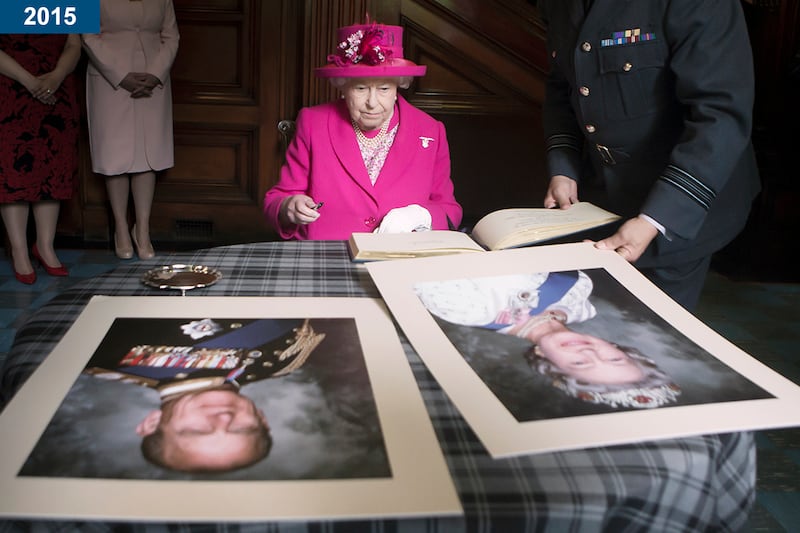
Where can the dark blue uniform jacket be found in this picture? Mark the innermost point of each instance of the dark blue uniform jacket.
(659, 93)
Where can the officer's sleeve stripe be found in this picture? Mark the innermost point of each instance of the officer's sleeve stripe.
(691, 186)
(563, 140)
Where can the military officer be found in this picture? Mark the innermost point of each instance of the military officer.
(659, 96)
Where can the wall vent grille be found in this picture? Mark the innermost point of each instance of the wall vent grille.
(194, 230)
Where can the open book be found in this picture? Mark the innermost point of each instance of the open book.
(505, 228)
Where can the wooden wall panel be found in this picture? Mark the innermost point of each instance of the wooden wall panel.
(485, 82)
(219, 43)
(216, 165)
(323, 18)
(209, 65)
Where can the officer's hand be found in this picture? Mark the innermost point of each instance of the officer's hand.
(298, 209)
(630, 240)
(562, 192)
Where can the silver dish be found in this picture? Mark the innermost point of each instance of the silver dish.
(181, 277)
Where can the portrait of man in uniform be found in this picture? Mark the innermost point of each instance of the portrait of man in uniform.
(212, 396)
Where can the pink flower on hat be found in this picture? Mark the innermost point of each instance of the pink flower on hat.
(369, 50)
(361, 46)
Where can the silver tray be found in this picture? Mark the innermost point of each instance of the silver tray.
(181, 277)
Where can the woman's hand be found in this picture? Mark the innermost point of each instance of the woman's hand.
(298, 209)
(39, 88)
(36, 86)
(139, 84)
(148, 83)
(46, 86)
(40, 91)
(130, 82)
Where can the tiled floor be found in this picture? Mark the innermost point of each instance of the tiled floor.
(761, 318)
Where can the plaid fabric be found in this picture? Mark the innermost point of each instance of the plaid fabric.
(704, 483)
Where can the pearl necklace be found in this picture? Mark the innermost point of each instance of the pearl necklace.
(374, 142)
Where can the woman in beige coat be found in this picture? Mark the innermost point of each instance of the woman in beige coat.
(129, 108)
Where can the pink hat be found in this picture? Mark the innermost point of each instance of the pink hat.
(369, 51)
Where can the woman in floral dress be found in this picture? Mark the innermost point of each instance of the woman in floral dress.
(38, 143)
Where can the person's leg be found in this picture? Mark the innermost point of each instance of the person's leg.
(683, 283)
(45, 215)
(143, 187)
(15, 218)
(118, 188)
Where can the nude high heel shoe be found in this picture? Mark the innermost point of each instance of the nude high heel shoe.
(122, 253)
(143, 253)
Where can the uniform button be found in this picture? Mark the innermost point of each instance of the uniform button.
(584, 90)
(586, 47)
(590, 128)
(553, 54)
(627, 67)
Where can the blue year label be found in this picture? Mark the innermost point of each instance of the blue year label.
(49, 16)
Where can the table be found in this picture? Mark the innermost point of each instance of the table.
(692, 484)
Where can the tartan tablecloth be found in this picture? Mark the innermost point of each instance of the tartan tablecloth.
(704, 483)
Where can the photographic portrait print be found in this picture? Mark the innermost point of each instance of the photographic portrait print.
(286, 408)
(566, 346)
(639, 360)
(294, 393)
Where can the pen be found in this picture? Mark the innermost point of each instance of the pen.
(318, 206)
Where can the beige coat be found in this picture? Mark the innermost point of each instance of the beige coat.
(130, 134)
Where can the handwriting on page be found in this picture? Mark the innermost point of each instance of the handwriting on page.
(545, 218)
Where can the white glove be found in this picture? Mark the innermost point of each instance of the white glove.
(405, 219)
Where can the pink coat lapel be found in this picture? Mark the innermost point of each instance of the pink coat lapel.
(346, 148)
(397, 162)
(401, 154)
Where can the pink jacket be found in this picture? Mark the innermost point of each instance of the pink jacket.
(324, 162)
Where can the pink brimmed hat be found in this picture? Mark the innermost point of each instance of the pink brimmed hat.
(369, 51)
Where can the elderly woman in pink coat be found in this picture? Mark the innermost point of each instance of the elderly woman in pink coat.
(370, 161)
(129, 107)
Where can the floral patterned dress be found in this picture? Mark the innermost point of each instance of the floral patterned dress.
(38, 142)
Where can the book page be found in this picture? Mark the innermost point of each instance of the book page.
(378, 246)
(514, 227)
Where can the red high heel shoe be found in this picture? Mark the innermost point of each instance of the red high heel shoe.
(60, 270)
(27, 279)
